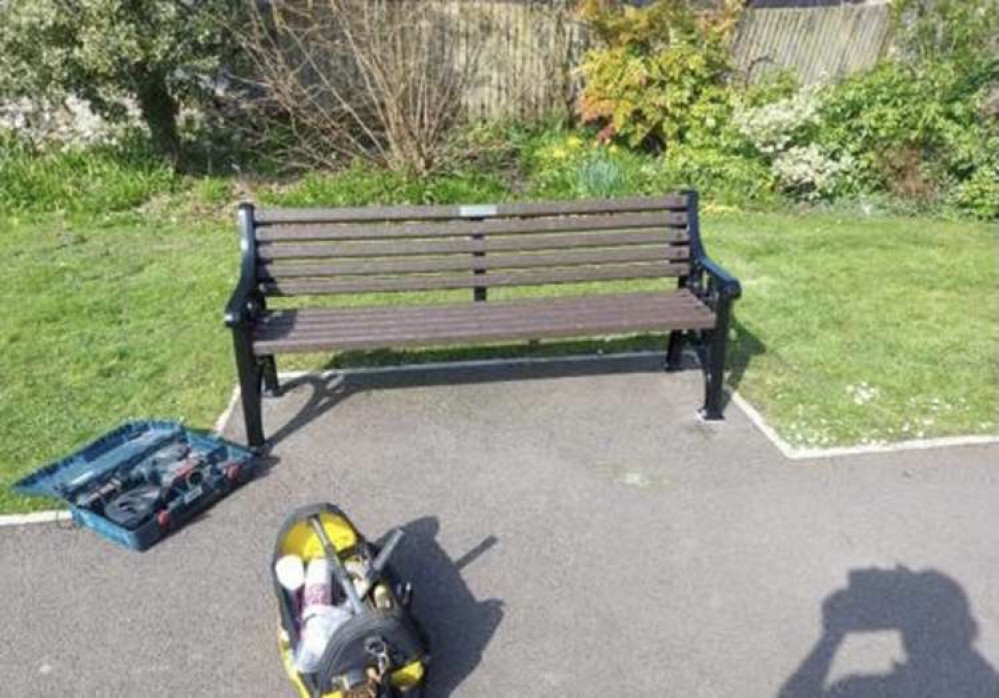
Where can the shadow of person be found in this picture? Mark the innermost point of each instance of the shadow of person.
(930, 611)
(458, 625)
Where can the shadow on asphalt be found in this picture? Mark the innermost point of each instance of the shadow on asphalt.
(562, 360)
(330, 389)
(458, 625)
(746, 347)
(932, 614)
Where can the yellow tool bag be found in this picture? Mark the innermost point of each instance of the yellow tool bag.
(345, 627)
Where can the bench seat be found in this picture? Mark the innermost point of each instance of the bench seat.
(315, 329)
(579, 257)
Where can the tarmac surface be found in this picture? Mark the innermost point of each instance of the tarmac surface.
(573, 530)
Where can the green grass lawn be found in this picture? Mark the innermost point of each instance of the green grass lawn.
(857, 331)
(850, 330)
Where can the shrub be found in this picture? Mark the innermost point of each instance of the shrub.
(774, 127)
(161, 55)
(914, 125)
(723, 176)
(783, 133)
(378, 80)
(660, 72)
(912, 130)
(808, 172)
(979, 194)
(962, 32)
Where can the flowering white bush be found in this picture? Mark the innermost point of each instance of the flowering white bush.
(772, 128)
(808, 172)
(69, 123)
(782, 132)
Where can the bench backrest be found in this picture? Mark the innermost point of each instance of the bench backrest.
(420, 248)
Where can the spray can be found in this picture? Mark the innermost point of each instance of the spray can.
(318, 586)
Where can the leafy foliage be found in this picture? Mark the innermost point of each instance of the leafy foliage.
(721, 176)
(963, 32)
(783, 134)
(159, 53)
(915, 124)
(660, 72)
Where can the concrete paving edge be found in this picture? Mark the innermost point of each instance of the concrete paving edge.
(792, 453)
(35, 517)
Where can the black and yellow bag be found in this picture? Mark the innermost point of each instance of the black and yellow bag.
(380, 652)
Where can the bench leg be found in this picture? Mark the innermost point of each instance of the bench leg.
(715, 369)
(674, 352)
(249, 373)
(272, 387)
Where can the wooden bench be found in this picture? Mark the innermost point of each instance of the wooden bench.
(305, 252)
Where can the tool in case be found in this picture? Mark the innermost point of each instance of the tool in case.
(143, 479)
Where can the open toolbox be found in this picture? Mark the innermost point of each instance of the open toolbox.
(143, 479)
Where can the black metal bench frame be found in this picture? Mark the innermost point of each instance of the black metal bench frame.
(437, 239)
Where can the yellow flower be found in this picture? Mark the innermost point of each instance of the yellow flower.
(710, 207)
(558, 153)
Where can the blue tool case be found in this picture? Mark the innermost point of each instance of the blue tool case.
(142, 480)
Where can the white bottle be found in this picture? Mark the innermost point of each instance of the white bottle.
(318, 586)
(320, 618)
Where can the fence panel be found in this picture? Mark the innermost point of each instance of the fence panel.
(527, 53)
(820, 42)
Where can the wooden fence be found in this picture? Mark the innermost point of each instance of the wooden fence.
(529, 49)
(819, 42)
(527, 53)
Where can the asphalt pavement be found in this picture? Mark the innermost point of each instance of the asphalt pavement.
(573, 530)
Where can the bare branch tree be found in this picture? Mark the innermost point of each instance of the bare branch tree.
(337, 80)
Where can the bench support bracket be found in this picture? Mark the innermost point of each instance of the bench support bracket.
(250, 374)
(714, 396)
(272, 387)
(674, 351)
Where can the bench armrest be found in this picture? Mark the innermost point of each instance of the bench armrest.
(728, 286)
(243, 303)
(721, 286)
(239, 309)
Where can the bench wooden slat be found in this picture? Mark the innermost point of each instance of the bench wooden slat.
(429, 247)
(522, 226)
(665, 316)
(322, 320)
(424, 283)
(426, 213)
(469, 263)
(663, 321)
(478, 324)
